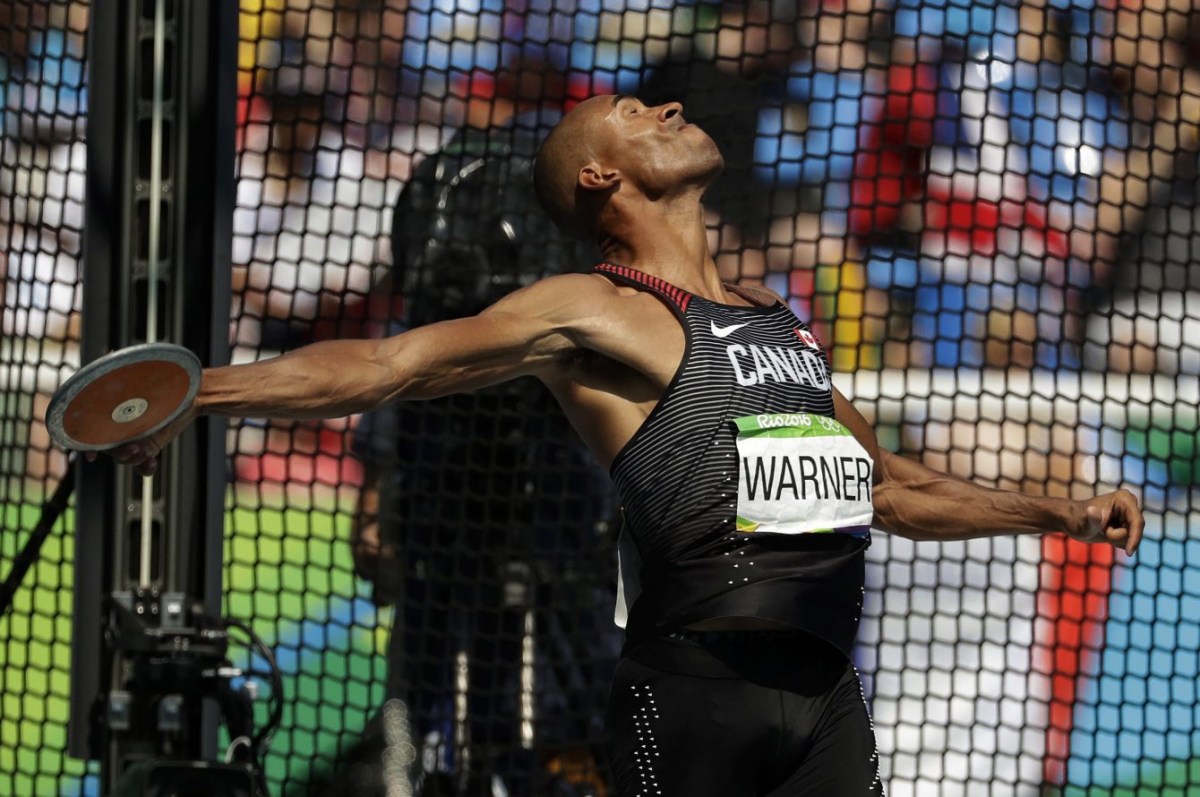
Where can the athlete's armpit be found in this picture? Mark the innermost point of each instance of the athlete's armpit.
(853, 420)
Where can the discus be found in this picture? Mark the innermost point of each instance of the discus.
(123, 397)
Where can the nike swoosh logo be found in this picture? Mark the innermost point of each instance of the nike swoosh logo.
(724, 332)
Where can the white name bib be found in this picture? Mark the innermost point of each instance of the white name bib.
(801, 474)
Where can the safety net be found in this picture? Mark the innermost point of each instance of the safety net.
(42, 155)
(984, 211)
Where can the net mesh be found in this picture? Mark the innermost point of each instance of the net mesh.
(986, 210)
(42, 128)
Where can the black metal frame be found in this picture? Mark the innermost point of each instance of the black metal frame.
(196, 188)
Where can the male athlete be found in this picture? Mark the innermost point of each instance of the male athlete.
(749, 484)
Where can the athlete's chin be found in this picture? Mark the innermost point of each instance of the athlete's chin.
(709, 151)
(710, 168)
(710, 157)
(701, 166)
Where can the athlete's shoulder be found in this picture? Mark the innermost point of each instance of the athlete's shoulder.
(560, 293)
(590, 285)
(571, 303)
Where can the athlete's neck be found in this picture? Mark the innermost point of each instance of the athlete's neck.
(668, 241)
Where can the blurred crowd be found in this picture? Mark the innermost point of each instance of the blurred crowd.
(923, 179)
(933, 183)
(42, 160)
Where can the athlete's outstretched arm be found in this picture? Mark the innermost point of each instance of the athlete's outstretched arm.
(523, 334)
(922, 504)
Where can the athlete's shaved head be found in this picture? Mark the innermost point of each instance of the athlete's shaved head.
(615, 145)
(556, 171)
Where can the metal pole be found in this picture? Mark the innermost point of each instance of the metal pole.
(162, 83)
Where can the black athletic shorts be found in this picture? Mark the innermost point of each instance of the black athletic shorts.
(739, 714)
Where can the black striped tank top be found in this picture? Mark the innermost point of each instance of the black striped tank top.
(728, 481)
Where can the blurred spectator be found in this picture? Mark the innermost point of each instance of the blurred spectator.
(42, 93)
(339, 100)
(325, 140)
(1147, 212)
(724, 80)
(483, 517)
(43, 101)
(325, 143)
(780, 87)
(976, 167)
(805, 155)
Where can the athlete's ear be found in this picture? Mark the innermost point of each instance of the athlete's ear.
(594, 177)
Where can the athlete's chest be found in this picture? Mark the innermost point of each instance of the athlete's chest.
(646, 349)
(753, 349)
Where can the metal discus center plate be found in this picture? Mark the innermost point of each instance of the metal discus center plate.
(130, 410)
(123, 397)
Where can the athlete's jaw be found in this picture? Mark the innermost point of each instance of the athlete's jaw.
(657, 146)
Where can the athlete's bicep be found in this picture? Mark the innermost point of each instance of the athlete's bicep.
(525, 334)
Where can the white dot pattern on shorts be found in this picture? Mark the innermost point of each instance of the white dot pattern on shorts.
(645, 747)
(871, 723)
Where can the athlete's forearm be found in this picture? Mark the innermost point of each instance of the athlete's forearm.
(342, 377)
(922, 504)
(330, 379)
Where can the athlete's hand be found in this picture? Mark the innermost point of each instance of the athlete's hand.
(143, 454)
(1114, 518)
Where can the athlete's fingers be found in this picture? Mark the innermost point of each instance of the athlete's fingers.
(1135, 521)
(130, 454)
(1117, 519)
(143, 456)
(1117, 535)
(1116, 526)
(1137, 528)
(1097, 520)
